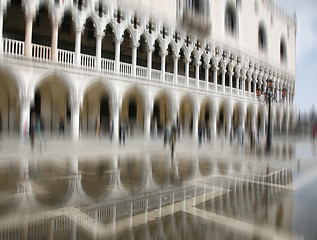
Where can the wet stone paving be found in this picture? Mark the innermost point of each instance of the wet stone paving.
(151, 195)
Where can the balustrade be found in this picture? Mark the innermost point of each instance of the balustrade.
(41, 52)
(107, 65)
(125, 68)
(66, 57)
(13, 47)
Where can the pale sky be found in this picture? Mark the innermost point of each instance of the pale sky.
(306, 51)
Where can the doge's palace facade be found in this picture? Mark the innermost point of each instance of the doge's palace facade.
(192, 62)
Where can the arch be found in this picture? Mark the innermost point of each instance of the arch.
(231, 19)
(185, 114)
(156, 57)
(250, 118)
(11, 27)
(207, 116)
(142, 51)
(108, 44)
(262, 37)
(97, 108)
(133, 109)
(223, 118)
(88, 39)
(126, 47)
(67, 34)
(42, 27)
(238, 116)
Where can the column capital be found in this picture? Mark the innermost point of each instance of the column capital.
(118, 40)
(177, 56)
(150, 48)
(135, 45)
(99, 34)
(206, 66)
(187, 60)
(163, 53)
(79, 29)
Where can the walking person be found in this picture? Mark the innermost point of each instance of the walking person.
(172, 140)
(32, 130)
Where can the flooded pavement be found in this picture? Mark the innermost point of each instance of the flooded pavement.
(149, 195)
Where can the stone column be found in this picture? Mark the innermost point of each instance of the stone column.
(117, 53)
(249, 84)
(214, 77)
(24, 118)
(195, 123)
(75, 104)
(207, 66)
(176, 57)
(243, 85)
(223, 79)
(230, 81)
(134, 58)
(187, 61)
(238, 83)
(254, 87)
(54, 41)
(213, 126)
(197, 64)
(147, 122)
(28, 35)
(163, 56)
(78, 46)
(99, 37)
(149, 61)
(115, 116)
(1, 30)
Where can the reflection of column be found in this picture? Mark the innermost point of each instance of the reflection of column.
(78, 45)
(28, 34)
(175, 68)
(50, 231)
(74, 227)
(54, 41)
(134, 57)
(149, 61)
(75, 119)
(117, 53)
(163, 56)
(24, 119)
(74, 164)
(98, 49)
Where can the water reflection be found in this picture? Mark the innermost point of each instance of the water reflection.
(148, 196)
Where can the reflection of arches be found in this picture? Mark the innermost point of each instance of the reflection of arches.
(96, 177)
(160, 171)
(132, 175)
(231, 19)
(206, 166)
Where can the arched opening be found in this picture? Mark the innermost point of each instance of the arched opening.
(219, 73)
(202, 69)
(12, 28)
(237, 117)
(223, 119)
(156, 57)
(227, 79)
(192, 66)
(262, 39)
(283, 51)
(66, 35)
(249, 120)
(186, 116)
(42, 29)
(125, 49)
(88, 42)
(181, 63)
(142, 53)
(132, 113)
(108, 46)
(51, 106)
(205, 120)
(9, 105)
(96, 112)
(169, 60)
(231, 20)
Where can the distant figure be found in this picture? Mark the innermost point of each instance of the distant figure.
(62, 127)
(110, 130)
(172, 140)
(122, 133)
(32, 130)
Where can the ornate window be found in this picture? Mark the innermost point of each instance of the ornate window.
(231, 20)
(262, 41)
(283, 51)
